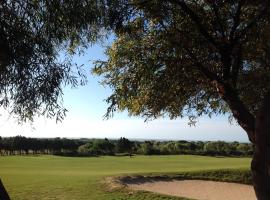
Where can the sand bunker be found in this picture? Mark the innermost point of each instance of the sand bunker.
(197, 189)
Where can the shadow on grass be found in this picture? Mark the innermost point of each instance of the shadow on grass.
(3, 193)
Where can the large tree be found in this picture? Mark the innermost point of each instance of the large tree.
(37, 41)
(189, 58)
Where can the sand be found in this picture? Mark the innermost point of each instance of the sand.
(197, 189)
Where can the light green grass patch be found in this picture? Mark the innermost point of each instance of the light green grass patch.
(65, 178)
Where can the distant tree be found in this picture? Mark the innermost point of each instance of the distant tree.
(123, 145)
(217, 148)
(233, 147)
(182, 146)
(103, 147)
(189, 58)
(164, 149)
(192, 146)
(199, 147)
(209, 148)
(172, 147)
(147, 148)
(86, 149)
(245, 149)
(108, 147)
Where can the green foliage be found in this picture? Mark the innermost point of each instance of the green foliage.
(213, 147)
(245, 149)
(148, 148)
(97, 147)
(189, 58)
(123, 145)
(219, 148)
(86, 149)
(24, 146)
(37, 41)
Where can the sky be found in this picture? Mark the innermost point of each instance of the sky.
(86, 108)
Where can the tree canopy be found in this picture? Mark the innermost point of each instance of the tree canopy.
(192, 58)
(37, 41)
(189, 58)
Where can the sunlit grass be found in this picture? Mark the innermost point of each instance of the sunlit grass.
(52, 177)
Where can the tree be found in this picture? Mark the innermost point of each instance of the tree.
(123, 145)
(104, 147)
(245, 149)
(97, 147)
(32, 36)
(217, 148)
(148, 148)
(191, 58)
(86, 149)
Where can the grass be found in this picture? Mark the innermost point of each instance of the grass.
(64, 178)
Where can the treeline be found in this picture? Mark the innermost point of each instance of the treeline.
(210, 148)
(20, 145)
(123, 145)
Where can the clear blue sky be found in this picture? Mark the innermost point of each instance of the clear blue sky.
(85, 117)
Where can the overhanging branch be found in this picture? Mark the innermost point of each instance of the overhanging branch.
(195, 18)
(217, 14)
(236, 20)
(230, 95)
(251, 23)
(210, 75)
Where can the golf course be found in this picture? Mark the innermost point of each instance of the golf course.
(82, 178)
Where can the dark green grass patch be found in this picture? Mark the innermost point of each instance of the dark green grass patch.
(223, 175)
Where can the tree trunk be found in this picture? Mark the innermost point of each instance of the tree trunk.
(260, 165)
(3, 193)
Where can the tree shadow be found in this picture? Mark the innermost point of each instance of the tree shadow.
(3, 193)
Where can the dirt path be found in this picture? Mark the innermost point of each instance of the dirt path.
(197, 189)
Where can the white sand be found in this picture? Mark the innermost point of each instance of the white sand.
(198, 189)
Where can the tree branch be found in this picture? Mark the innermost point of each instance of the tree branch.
(210, 75)
(236, 20)
(244, 118)
(237, 65)
(226, 61)
(195, 18)
(224, 89)
(217, 14)
(251, 23)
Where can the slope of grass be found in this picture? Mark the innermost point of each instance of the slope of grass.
(64, 178)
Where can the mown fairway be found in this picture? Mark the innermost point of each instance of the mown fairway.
(52, 177)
